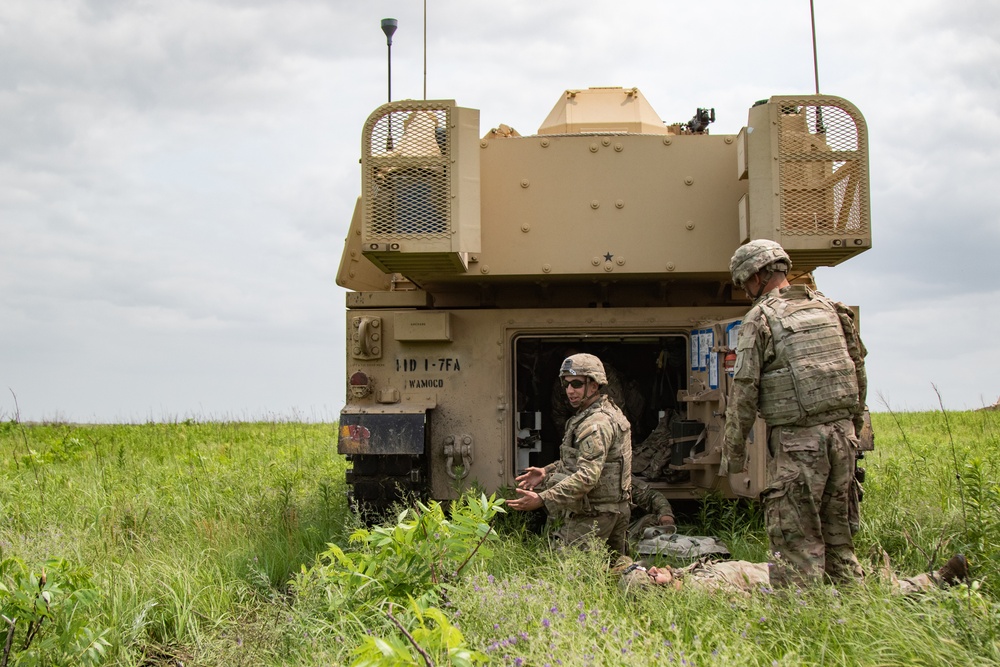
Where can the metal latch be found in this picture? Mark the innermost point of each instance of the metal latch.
(458, 447)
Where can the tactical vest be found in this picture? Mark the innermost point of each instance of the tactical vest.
(615, 484)
(812, 376)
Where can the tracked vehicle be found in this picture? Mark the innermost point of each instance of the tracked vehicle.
(475, 262)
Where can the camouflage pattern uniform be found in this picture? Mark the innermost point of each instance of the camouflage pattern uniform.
(727, 575)
(652, 455)
(588, 488)
(800, 363)
(651, 503)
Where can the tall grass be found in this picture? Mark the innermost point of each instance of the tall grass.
(192, 532)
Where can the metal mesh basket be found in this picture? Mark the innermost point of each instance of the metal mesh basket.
(823, 170)
(406, 180)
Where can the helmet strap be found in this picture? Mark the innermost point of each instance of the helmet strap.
(587, 397)
(763, 282)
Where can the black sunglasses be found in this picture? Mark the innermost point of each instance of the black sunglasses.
(576, 384)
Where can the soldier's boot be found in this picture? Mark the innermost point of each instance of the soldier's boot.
(955, 571)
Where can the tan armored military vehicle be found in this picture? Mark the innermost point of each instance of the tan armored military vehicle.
(475, 262)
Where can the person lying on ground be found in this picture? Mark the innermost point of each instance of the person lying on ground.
(741, 576)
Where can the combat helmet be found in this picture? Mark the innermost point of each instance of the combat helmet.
(756, 255)
(584, 365)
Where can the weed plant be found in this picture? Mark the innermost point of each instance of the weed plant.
(190, 535)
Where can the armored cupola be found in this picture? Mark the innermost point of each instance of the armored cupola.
(602, 111)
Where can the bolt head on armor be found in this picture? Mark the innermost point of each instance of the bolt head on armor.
(584, 365)
(756, 255)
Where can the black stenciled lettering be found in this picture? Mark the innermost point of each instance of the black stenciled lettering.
(426, 384)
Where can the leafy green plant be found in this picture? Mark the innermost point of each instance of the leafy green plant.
(414, 560)
(48, 615)
(422, 551)
(432, 641)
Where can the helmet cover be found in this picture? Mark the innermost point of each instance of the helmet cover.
(756, 255)
(585, 365)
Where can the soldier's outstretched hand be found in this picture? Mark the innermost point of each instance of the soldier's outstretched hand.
(528, 500)
(531, 478)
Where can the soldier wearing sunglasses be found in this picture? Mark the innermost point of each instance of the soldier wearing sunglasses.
(586, 492)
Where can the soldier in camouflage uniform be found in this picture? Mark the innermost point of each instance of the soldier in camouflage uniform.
(740, 576)
(588, 488)
(800, 366)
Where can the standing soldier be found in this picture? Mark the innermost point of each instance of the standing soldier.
(589, 486)
(800, 365)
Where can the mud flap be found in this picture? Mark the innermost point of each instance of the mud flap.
(383, 432)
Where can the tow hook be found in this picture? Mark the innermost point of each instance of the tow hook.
(454, 447)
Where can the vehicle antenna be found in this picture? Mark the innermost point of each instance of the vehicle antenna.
(389, 27)
(425, 49)
(812, 16)
(820, 127)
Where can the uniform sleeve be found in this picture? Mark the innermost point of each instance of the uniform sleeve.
(741, 411)
(649, 499)
(592, 439)
(857, 350)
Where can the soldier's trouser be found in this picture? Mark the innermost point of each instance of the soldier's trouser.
(610, 527)
(806, 503)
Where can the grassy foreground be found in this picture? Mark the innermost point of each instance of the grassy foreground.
(170, 544)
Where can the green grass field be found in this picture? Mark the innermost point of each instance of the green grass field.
(198, 544)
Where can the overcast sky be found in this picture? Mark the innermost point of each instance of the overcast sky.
(177, 178)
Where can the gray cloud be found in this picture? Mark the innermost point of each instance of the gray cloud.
(176, 179)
